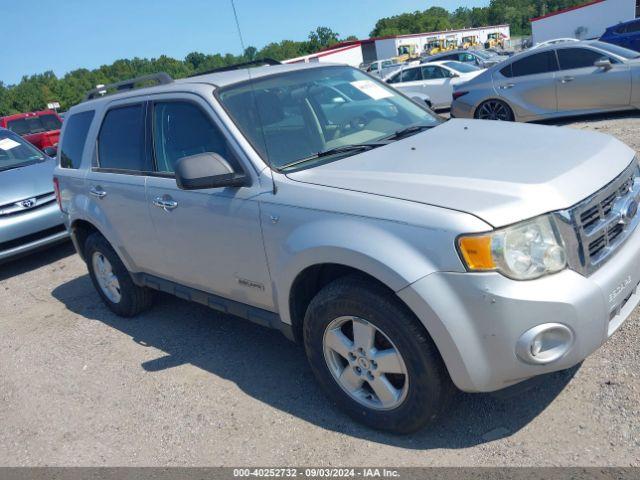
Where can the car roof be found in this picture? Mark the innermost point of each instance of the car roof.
(215, 79)
(635, 20)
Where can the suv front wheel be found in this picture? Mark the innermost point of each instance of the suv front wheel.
(373, 357)
(112, 280)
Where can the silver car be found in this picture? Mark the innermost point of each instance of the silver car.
(407, 254)
(479, 58)
(565, 79)
(29, 216)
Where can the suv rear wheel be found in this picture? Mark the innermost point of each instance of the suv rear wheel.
(112, 280)
(373, 357)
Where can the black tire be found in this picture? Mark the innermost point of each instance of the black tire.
(134, 299)
(507, 116)
(429, 387)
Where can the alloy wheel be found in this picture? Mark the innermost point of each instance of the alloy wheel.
(107, 280)
(494, 110)
(365, 363)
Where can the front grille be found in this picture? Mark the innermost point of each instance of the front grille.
(603, 221)
(27, 204)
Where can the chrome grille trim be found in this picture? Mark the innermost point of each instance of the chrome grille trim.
(17, 207)
(597, 226)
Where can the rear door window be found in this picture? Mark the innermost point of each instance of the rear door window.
(578, 58)
(411, 75)
(433, 73)
(543, 62)
(74, 139)
(121, 143)
(182, 129)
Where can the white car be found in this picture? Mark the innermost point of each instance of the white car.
(382, 68)
(435, 79)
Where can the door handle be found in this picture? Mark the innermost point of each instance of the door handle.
(165, 203)
(97, 192)
(507, 86)
(567, 79)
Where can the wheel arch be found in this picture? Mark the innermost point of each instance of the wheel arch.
(80, 230)
(311, 280)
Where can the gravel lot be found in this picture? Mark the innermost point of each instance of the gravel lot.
(183, 385)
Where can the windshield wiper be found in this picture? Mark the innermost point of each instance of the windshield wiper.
(411, 130)
(353, 148)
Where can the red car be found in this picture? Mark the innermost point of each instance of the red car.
(42, 129)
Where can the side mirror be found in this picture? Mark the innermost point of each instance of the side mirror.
(207, 170)
(604, 63)
(455, 75)
(50, 151)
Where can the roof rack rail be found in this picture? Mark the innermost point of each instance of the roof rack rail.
(161, 78)
(239, 66)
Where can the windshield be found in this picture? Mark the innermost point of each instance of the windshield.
(462, 67)
(296, 115)
(29, 125)
(15, 152)
(616, 50)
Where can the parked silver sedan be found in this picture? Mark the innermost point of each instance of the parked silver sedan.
(29, 215)
(566, 79)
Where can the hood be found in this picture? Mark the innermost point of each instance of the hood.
(26, 182)
(500, 172)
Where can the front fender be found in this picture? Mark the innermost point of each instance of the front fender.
(394, 253)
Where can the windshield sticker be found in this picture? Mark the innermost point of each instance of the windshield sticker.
(371, 89)
(8, 144)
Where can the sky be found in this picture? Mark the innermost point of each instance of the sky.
(63, 35)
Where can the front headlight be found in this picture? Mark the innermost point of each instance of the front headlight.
(523, 251)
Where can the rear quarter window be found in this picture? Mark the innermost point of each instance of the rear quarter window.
(74, 139)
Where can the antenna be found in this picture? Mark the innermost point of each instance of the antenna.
(253, 95)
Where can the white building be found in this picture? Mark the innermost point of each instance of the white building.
(586, 21)
(388, 47)
(365, 51)
(349, 53)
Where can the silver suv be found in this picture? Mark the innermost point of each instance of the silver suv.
(407, 254)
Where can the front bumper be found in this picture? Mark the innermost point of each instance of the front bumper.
(26, 231)
(476, 320)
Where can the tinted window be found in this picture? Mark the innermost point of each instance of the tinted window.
(75, 136)
(466, 57)
(394, 78)
(411, 75)
(181, 129)
(506, 71)
(30, 125)
(432, 73)
(121, 140)
(539, 63)
(578, 58)
(632, 27)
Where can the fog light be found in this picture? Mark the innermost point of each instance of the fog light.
(544, 343)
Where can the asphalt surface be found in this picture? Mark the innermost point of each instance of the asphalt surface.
(184, 385)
